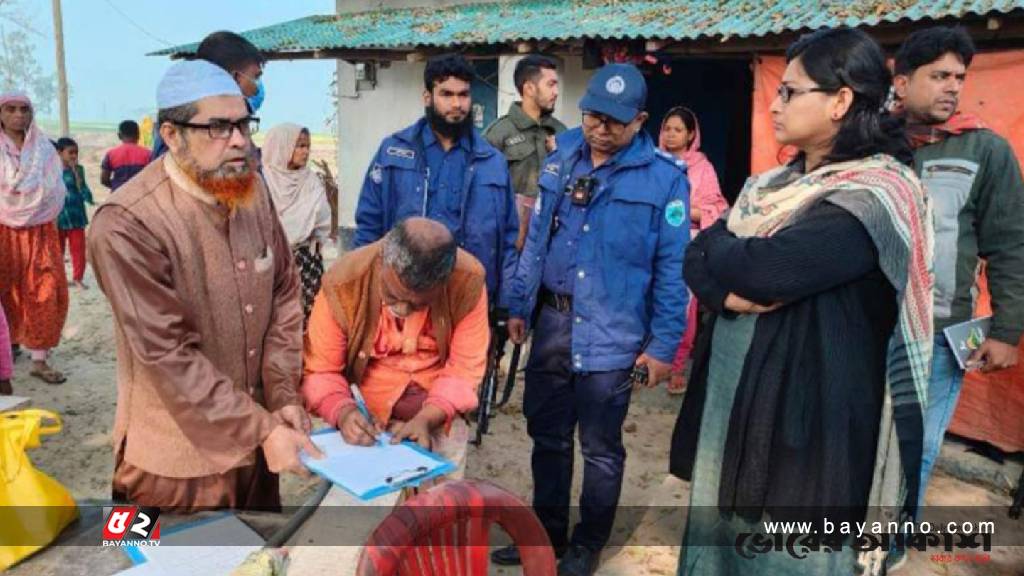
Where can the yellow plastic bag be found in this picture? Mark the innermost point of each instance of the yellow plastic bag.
(34, 508)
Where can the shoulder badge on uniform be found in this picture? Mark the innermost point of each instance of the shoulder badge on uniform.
(401, 152)
(551, 168)
(375, 173)
(515, 139)
(675, 213)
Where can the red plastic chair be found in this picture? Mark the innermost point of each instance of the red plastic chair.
(445, 532)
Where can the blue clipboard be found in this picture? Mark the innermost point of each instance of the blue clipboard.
(368, 472)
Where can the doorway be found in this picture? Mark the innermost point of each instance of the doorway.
(484, 91)
(719, 91)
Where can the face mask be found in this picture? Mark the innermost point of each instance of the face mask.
(256, 100)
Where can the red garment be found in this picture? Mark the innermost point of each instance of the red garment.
(689, 336)
(127, 154)
(958, 123)
(75, 237)
(33, 287)
(124, 162)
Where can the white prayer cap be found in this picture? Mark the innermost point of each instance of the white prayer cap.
(191, 81)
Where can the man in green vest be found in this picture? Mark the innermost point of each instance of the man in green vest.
(526, 135)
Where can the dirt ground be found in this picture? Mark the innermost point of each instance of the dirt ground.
(80, 456)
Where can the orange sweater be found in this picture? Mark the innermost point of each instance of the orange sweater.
(401, 355)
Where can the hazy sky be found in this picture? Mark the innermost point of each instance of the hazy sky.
(111, 78)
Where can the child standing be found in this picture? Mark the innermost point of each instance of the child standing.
(73, 218)
(120, 164)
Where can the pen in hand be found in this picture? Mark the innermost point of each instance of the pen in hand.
(367, 426)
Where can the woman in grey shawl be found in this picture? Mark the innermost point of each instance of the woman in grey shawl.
(818, 360)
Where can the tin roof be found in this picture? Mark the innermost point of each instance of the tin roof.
(520, 20)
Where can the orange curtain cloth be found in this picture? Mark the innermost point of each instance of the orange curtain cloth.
(765, 152)
(990, 406)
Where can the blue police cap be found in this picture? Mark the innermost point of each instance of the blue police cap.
(617, 91)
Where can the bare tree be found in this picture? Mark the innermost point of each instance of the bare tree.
(19, 69)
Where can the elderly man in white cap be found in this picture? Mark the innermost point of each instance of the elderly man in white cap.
(206, 303)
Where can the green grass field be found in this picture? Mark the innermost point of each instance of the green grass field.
(52, 126)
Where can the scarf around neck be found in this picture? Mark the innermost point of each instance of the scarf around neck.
(959, 123)
(888, 199)
(298, 195)
(31, 178)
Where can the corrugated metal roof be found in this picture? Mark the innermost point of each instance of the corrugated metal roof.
(510, 21)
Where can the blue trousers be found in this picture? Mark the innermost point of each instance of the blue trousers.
(555, 400)
(943, 392)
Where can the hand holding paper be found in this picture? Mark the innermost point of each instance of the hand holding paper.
(282, 448)
(993, 355)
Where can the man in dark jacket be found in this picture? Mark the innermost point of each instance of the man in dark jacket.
(441, 168)
(602, 265)
(974, 181)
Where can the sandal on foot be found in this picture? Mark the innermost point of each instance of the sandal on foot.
(49, 375)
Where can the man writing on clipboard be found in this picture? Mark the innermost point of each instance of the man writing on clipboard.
(406, 319)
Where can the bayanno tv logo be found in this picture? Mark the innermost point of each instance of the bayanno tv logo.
(132, 526)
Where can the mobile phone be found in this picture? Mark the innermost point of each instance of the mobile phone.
(640, 375)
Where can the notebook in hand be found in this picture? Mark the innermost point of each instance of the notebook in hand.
(367, 472)
(964, 338)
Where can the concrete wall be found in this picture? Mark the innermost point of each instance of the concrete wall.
(573, 82)
(366, 117)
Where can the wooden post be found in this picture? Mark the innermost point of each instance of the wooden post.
(62, 78)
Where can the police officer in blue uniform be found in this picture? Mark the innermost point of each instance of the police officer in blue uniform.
(602, 269)
(441, 168)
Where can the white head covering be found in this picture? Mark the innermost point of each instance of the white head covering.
(15, 96)
(299, 195)
(192, 80)
(31, 177)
